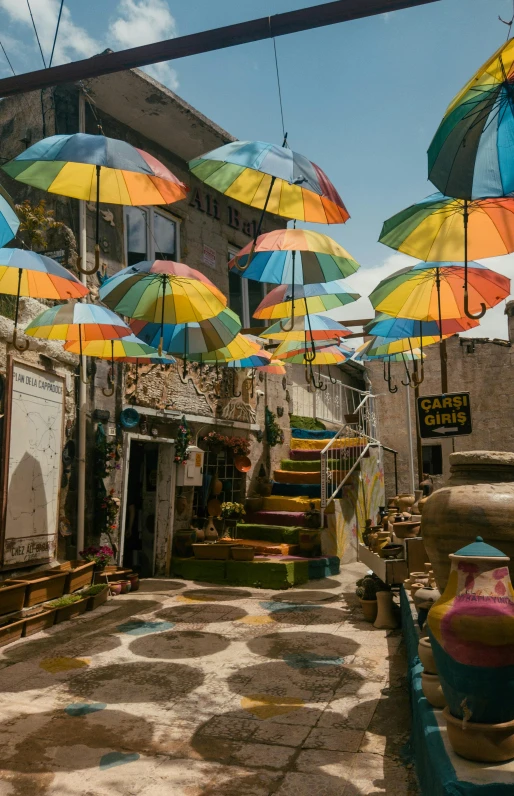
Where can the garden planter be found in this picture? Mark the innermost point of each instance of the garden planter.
(479, 499)
(11, 631)
(485, 743)
(97, 599)
(79, 575)
(71, 611)
(12, 597)
(212, 552)
(183, 542)
(471, 629)
(253, 504)
(241, 553)
(42, 586)
(431, 687)
(426, 656)
(369, 609)
(38, 620)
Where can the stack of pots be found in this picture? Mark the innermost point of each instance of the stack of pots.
(430, 683)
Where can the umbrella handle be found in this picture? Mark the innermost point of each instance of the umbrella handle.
(483, 308)
(416, 381)
(94, 269)
(23, 346)
(392, 388)
(283, 326)
(406, 383)
(109, 392)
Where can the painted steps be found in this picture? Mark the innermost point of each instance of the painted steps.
(306, 465)
(269, 532)
(285, 519)
(299, 503)
(308, 477)
(269, 548)
(294, 490)
(301, 433)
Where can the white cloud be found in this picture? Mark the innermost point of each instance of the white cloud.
(141, 22)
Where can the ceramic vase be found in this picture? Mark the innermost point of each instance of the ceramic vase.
(386, 619)
(405, 501)
(211, 534)
(379, 540)
(369, 609)
(471, 629)
(479, 500)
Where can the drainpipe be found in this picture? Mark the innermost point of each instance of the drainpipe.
(409, 433)
(81, 485)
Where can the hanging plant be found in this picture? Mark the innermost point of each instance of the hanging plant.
(182, 441)
(274, 434)
(106, 459)
(238, 445)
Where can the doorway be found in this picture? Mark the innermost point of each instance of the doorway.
(139, 542)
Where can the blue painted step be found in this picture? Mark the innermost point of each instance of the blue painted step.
(303, 433)
(324, 567)
(296, 490)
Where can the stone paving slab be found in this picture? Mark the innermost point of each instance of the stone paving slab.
(193, 690)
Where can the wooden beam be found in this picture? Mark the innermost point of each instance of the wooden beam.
(206, 41)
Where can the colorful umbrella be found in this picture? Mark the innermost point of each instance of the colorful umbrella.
(276, 367)
(290, 348)
(470, 156)
(383, 346)
(308, 327)
(317, 258)
(163, 292)
(331, 355)
(433, 291)
(96, 169)
(443, 228)
(196, 338)
(362, 355)
(9, 221)
(253, 361)
(26, 273)
(239, 348)
(396, 328)
(271, 178)
(283, 302)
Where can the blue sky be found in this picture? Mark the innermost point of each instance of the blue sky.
(361, 99)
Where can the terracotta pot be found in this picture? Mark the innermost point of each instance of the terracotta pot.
(479, 500)
(216, 486)
(418, 494)
(485, 743)
(392, 503)
(421, 504)
(426, 656)
(253, 504)
(385, 615)
(380, 539)
(134, 581)
(390, 551)
(115, 588)
(211, 534)
(406, 530)
(426, 596)
(431, 687)
(414, 587)
(405, 501)
(471, 629)
(369, 609)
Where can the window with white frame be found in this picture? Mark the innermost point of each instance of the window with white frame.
(150, 234)
(244, 295)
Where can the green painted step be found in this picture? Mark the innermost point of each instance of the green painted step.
(269, 533)
(264, 574)
(313, 466)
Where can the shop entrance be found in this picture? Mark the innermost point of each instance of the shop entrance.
(148, 506)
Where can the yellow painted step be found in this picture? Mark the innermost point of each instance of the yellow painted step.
(319, 444)
(280, 503)
(295, 477)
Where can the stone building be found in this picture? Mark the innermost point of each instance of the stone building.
(133, 468)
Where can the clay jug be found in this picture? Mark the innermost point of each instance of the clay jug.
(381, 538)
(479, 500)
(471, 629)
(405, 501)
(217, 485)
(385, 616)
(211, 534)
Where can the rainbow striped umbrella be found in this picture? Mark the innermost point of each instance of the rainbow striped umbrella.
(129, 346)
(9, 221)
(271, 177)
(195, 338)
(383, 346)
(96, 169)
(294, 256)
(290, 348)
(82, 322)
(239, 348)
(308, 327)
(253, 361)
(470, 156)
(276, 367)
(307, 299)
(331, 355)
(396, 328)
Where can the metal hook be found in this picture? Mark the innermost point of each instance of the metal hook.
(107, 392)
(332, 381)
(406, 383)
(483, 309)
(110, 377)
(319, 386)
(392, 388)
(417, 380)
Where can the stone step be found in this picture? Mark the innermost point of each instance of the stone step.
(302, 433)
(268, 532)
(319, 444)
(280, 518)
(297, 490)
(307, 466)
(292, 477)
(286, 503)
(265, 548)
(315, 455)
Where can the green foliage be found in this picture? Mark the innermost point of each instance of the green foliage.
(94, 590)
(274, 434)
(182, 441)
(69, 599)
(368, 586)
(307, 423)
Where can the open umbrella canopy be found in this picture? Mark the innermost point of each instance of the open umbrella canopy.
(317, 258)
(239, 348)
(278, 303)
(68, 165)
(9, 221)
(383, 346)
(362, 355)
(273, 177)
(129, 346)
(187, 338)
(30, 274)
(77, 322)
(396, 328)
(260, 358)
(308, 327)
(290, 348)
(138, 291)
(471, 153)
(150, 359)
(434, 229)
(276, 367)
(434, 291)
(331, 355)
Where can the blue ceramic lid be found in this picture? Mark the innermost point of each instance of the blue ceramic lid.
(480, 548)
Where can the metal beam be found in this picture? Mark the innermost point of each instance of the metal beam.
(206, 41)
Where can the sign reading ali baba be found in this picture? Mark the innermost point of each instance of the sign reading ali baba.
(208, 203)
(444, 415)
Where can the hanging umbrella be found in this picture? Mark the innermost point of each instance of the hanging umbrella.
(256, 360)
(96, 169)
(362, 354)
(385, 325)
(290, 348)
(162, 292)
(275, 367)
(26, 273)
(383, 346)
(282, 302)
(272, 178)
(331, 355)
(470, 156)
(239, 348)
(308, 327)
(196, 338)
(443, 228)
(9, 221)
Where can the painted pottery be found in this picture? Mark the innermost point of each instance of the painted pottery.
(471, 629)
(485, 743)
(431, 687)
(115, 588)
(183, 542)
(379, 540)
(211, 534)
(405, 501)
(479, 499)
(426, 655)
(134, 581)
(426, 596)
(125, 586)
(369, 609)
(385, 615)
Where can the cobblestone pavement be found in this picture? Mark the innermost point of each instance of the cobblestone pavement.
(185, 689)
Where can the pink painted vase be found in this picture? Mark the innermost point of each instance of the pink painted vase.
(471, 628)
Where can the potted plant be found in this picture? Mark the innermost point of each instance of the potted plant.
(12, 597)
(41, 586)
(96, 595)
(68, 607)
(79, 574)
(232, 513)
(100, 555)
(11, 630)
(366, 591)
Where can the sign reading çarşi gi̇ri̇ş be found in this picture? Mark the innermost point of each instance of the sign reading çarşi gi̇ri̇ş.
(34, 442)
(444, 415)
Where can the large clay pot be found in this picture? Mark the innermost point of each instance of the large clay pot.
(211, 534)
(432, 690)
(369, 609)
(479, 500)
(386, 619)
(485, 743)
(406, 500)
(426, 656)
(471, 629)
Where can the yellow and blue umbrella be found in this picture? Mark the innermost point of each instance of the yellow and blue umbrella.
(191, 338)
(284, 301)
(307, 328)
(388, 326)
(9, 221)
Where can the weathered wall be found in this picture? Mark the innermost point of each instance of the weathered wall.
(482, 367)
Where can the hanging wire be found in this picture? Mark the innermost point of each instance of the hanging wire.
(7, 58)
(56, 32)
(508, 23)
(284, 134)
(35, 31)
